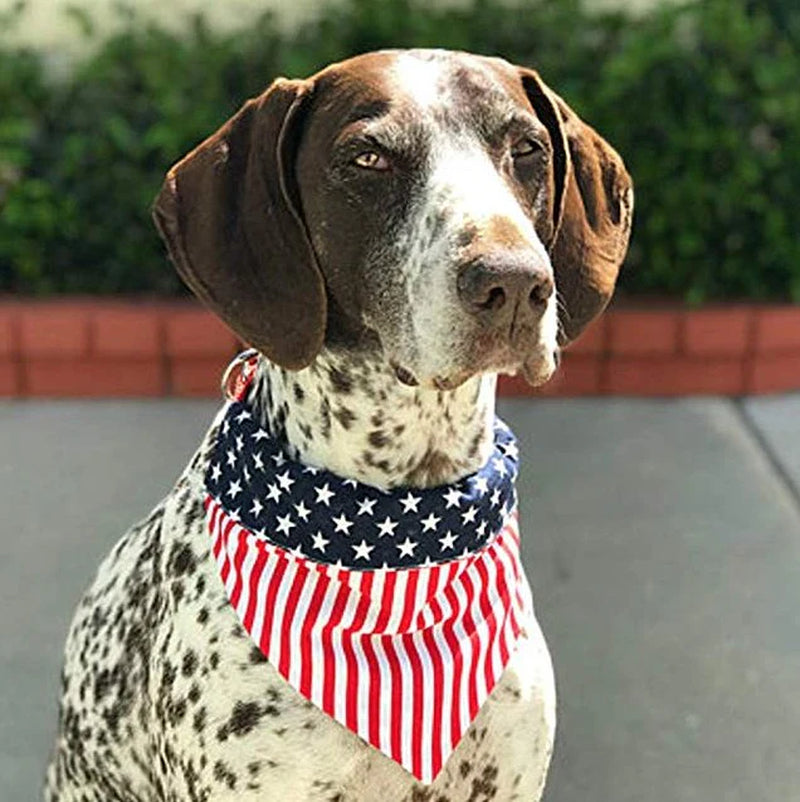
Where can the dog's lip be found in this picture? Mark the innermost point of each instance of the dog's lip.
(403, 375)
(503, 356)
(537, 366)
(539, 369)
(451, 382)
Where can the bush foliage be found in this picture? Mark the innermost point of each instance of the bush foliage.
(701, 99)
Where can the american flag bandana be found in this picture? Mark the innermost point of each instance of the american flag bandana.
(393, 612)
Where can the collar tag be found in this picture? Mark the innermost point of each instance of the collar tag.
(239, 375)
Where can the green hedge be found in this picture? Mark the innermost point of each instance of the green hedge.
(701, 100)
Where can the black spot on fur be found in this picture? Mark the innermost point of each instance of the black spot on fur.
(256, 656)
(345, 417)
(325, 418)
(378, 439)
(341, 382)
(199, 720)
(475, 445)
(176, 712)
(223, 775)
(485, 786)
(245, 716)
(102, 685)
(382, 464)
(177, 591)
(195, 513)
(182, 560)
(280, 418)
(189, 664)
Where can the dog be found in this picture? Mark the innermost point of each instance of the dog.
(388, 235)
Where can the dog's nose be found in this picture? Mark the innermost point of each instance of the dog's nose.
(494, 283)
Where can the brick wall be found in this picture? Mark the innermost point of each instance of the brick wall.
(99, 348)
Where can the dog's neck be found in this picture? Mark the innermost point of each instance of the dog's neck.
(351, 415)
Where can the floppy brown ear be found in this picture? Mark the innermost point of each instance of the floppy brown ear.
(229, 214)
(593, 210)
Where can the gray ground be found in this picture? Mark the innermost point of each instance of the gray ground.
(662, 538)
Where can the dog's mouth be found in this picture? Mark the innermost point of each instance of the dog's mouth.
(404, 376)
(537, 367)
(538, 371)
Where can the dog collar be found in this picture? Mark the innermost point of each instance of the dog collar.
(393, 612)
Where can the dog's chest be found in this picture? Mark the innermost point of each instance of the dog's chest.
(194, 711)
(247, 732)
(256, 732)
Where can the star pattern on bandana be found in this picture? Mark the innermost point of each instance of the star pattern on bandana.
(327, 518)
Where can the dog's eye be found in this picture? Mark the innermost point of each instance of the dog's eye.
(525, 147)
(370, 160)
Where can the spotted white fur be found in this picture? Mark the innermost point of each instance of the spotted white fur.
(175, 703)
(464, 181)
(369, 426)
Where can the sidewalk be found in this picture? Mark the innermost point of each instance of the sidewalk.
(662, 539)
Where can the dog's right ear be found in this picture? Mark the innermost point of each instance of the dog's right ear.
(229, 213)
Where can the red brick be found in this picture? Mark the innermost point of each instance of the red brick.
(579, 375)
(639, 332)
(9, 378)
(197, 333)
(718, 332)
(8, 344)
(513, 386)
(778, 329)
(675, 376)
(126, 331)
(93, 378)
(54, 329)
(594, 339)
(775, 374)
(197, 377)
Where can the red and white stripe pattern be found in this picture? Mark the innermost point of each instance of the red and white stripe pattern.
(403, 657)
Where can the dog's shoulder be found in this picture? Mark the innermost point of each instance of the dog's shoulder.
(119, 667)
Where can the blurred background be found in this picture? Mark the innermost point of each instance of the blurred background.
(662, 533)
(97, 97)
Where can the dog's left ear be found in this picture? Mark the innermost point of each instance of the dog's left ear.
(593, 209)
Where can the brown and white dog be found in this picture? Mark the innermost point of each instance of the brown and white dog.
(390, 234)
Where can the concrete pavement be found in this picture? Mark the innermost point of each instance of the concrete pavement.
(662, 539)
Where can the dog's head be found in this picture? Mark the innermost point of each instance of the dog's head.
(449, 208)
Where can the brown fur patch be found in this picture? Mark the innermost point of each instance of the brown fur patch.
(434, 468)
